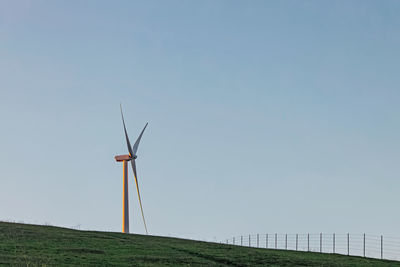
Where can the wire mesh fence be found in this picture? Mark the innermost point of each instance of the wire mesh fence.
(364, 245)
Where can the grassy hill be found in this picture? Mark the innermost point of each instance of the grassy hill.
(33, 245)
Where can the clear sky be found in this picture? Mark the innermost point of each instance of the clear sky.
(264, 116)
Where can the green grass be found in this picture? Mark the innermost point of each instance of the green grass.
(33, 245)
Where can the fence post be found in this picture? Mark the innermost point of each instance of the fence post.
(258, 240)
(381, 246)
(364, 246)
(297, 240)
(320, 242)
(276, 242)
(348, 244)
(286, 241)
(249, 240)
(266, 240)
(241, 240)
(233, 240)
(334, 243)
(308, 242)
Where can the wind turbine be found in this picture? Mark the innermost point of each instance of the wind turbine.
(125, 158)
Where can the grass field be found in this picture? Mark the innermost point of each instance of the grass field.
(33, 245)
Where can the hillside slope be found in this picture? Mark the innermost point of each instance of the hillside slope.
(23, 244)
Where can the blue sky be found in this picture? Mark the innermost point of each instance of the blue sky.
(264, 116)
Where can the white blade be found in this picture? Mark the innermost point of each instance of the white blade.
(136, 145)
(126, 135)
(137, 188)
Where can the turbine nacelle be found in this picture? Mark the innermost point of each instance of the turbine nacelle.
(127, 157)
(120, 158)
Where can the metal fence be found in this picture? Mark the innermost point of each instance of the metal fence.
(364, 245)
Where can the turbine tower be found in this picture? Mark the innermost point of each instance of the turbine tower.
(125, 158)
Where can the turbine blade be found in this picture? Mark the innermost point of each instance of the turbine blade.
(137, 188)
(136, 145)
(126, 135)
